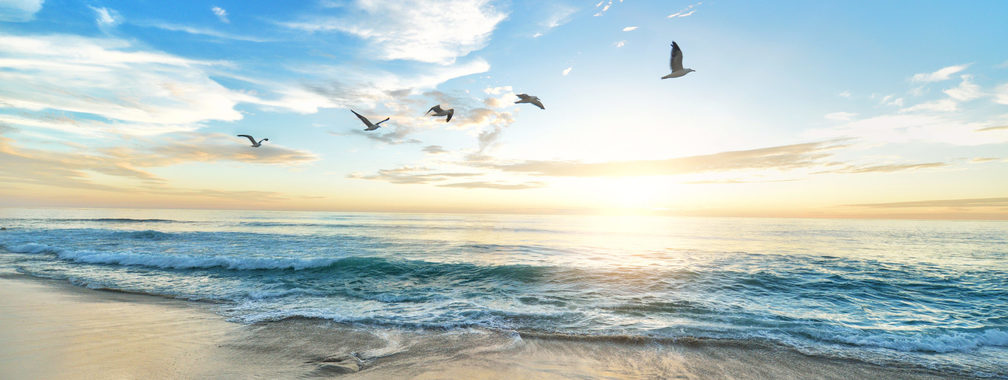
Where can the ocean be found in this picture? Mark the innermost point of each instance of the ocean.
(916, 293)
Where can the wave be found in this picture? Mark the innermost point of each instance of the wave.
(945, 342)
(146, 235)
(174, 261)
(120, 220)
(362, 266)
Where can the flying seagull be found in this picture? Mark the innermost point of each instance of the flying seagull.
(675, 63)
(526, 98)
(438, 111)
(255, 144)
(370, 127)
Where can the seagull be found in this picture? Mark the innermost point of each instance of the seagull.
(675, 63)
(526, 98)
(441, 112)
(255, 144)
(370, 127)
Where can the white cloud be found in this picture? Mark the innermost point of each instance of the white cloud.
(685, 12)
(608, 4)
(891, 100)
(1001, 94)
(19, 10)
(941, 105)
(107, 17)
(200, 31)
(561, 15)
(620, 44)
(942, 74)
(966, 91)
(221, 14)
(567, 70)
(420, 30)
(844, 94)
(841, 116)
(629, 28)
(110, 79)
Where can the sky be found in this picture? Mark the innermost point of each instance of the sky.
(796, 108)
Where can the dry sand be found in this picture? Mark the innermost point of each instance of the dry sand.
(52, 330)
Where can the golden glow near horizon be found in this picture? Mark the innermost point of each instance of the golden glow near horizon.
(778, 119)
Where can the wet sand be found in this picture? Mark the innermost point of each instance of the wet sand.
(53, 330)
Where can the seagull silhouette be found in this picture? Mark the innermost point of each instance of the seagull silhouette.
(526, 98)
(675, 63)
(255, 144)
(438, 111)
(370, 127)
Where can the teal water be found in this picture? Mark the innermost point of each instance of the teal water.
(918, 293)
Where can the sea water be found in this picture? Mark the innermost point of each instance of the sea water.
(895, 292)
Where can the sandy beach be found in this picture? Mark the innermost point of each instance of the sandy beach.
(53, 330)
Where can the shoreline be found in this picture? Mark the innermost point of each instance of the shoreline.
(53, 329)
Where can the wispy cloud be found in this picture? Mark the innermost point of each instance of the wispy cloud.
(106, 17)
(965, 91)
(779, 157)
(994, 128)
(1001, 94)
(685, 12)
(405, 29)
(891, 100)
(603, 9)
(221, 14)
(199, 31)
(629, 28)
(567, 70)
(942, 74)
(114, 80)
(842, 116)
(558, 16)
(979, 160)
(398, 135)
(844, 94)
(958, 203)
(434, 149)
(620, 44)
(940, 105)
(19, 10)
(940, 128)
(886, 168)
(495, 185)
(72, 169)
(411, 175)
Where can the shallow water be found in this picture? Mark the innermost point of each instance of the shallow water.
(919, 293)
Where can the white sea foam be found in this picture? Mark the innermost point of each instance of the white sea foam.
(959, 341)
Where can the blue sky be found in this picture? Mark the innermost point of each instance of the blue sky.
(795, 109)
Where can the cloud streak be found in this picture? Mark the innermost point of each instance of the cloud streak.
(957, 203)
(779, 157)
(942, 74)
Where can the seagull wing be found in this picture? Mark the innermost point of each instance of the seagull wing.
(248, 137)
(451, 111)
(362, 118)
(436, 109)
(537, 103)
(675, 61)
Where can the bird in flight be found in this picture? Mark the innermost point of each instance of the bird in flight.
(675, 63)
(370, 127)
(255, 144)
(526, 98)
(438, 111)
